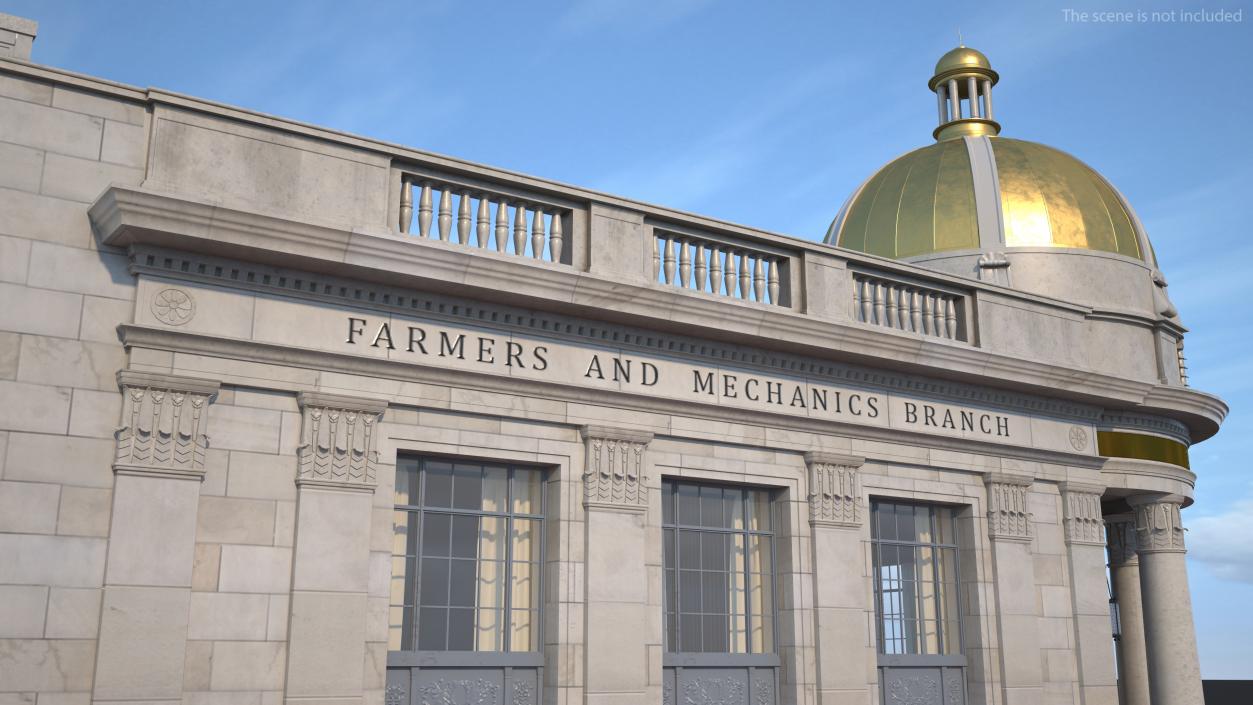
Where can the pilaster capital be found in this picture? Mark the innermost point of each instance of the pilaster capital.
(1120, 531)
(1159, 526)
(337, 439)
(163, 429)
(1009, 518)
(613, 475)
(1081, 510)
(835, 494)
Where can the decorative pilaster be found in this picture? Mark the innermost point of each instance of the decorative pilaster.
(1009, 518)
(337, 441)
(1159, 528)
(1081, 509)
(163, 424)
(613, 476)
(835, 495)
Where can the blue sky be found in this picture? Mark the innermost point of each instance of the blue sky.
(770, 114)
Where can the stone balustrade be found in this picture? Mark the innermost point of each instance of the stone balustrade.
(731, 267)
(909, 306)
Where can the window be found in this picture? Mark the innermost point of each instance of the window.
(719, 569)
(916, 588)
(466, 557)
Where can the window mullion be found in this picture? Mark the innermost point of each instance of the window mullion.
(506, 635)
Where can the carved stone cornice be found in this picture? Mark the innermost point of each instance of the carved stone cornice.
(835, 495)
(1009, 518)
(1159, 527)
(613, 477)
(1081, 511)
(1120, 531)
(163, 426)
(337, 437)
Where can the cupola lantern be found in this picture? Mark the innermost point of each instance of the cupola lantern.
(962, 84)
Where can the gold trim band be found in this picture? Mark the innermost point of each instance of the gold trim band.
(1120, 444)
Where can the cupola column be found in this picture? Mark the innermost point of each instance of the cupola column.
(1170, 636)
(972, 95)
(955, 98)
(987, 99)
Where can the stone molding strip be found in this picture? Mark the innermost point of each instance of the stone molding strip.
(1009, 517)
(337, 439)
(163, 428)
(1081, 511)
(835, 492)
(613, 477)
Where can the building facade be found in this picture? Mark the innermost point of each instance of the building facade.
(295, 416)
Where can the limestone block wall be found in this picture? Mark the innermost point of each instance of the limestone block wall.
(63, 295)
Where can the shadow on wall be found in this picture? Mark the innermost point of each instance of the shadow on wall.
(1228, 692)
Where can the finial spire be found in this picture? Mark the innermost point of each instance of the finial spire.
(964, 78)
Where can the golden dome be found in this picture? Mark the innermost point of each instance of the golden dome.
(962, 57)
(981, 193)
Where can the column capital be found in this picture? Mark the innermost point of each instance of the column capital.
(1081, 505)
(1120, 532)
(1009, 518)
(613, 476)
(337, 435)
(162, 431)
(1159, 527)
(835, 494)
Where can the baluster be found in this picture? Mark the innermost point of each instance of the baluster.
(729, 277)
(685, 263)
(519, 230)
(424, 211)
(656, 257)
(902, 308)
(556, 239)
(537, 234)
(463, 219)
(915, 314)
(484, 223)
(668, 252)
(926, 313)
(702, 271)
(445, 212)
(406, 204)
(502, 226)
(937, 315)
(878, 302)
(773, 280)
(746, 276)
(759, 278)
(889, 306)
(715, 270)
(867, 305)
(950, 319)
(858, 286)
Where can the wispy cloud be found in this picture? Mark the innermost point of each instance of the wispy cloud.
(1221, 541)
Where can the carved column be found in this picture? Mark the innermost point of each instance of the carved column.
(616, 493)
(845, 649)
(158, 467)
(1013, 568)
(336, 464)
(1085, 553)
(1169, 634)
(1124, 569)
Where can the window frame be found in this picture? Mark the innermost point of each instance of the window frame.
(956, 658)
(721, 658)
(504, 657)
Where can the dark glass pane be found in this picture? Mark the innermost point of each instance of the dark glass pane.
(714, 635)
(465, 536)
(672, 631)
(945, 530)
(689, 549)
(689, 505)
(667, 502)
(759, 510)
(922, 524)
(495, 489)
(689, 632)
(711, 512)
(671, 587)
(406, 484)
(528, 491)
(435, 534)
(668, 548)
(733, 508)
(434, 587)
(404, 575)
(437, 478)
(714, 592)
(461, 630)
(713, 551)
(884, 525)
(432, 629)
(462, 582)
(526, 539)
(467, 486)
(689, 591)
(404, 541)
